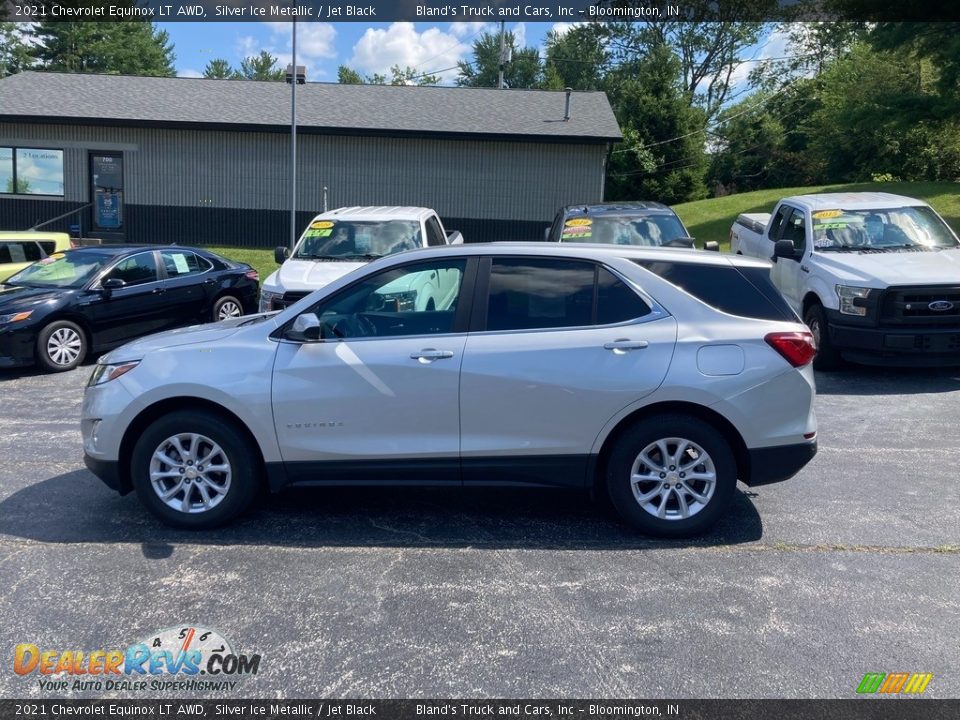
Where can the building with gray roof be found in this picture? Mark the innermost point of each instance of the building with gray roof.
(207, 161)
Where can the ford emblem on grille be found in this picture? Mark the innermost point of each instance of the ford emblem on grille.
(940, 305)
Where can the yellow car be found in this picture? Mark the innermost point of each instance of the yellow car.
(20, 249)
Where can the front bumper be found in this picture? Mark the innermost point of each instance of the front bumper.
(776, 464)
(109, 472)
(17, 346)
(904, 345)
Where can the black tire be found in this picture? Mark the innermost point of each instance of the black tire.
(827, 357)
(242, 460)
(75, 340)
(638, 438)
(223, 301)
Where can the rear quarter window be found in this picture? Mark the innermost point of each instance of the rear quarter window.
(742, 291)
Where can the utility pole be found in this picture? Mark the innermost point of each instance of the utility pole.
(293, 144)
(503, 50)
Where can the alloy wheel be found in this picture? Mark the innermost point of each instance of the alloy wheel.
(190, 473)
(673, 478)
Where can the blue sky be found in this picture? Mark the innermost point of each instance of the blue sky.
(322, 47)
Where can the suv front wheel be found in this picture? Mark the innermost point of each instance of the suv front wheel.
(194, 470)
(671, 476)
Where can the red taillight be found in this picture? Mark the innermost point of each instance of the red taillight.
(797, 348)
(252, 275)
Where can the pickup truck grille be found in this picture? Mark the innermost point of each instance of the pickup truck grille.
(288, 299)
(932, 305)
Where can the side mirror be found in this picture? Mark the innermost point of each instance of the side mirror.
(305, 328)
(111, 284)
(546, 233)
(280, 254)
(784, 249)
(712, 246)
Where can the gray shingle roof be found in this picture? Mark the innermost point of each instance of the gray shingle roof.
(320, 106)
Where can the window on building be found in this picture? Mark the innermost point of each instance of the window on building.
(31, 171)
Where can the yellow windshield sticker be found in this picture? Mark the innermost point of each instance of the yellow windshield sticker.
(824, 214)
(578, 222)
(321, 225)
(56, 256)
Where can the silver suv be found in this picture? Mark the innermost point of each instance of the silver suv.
(657, 376)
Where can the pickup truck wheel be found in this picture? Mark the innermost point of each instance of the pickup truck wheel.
(671, 476)
(194, 470)
(827, 356)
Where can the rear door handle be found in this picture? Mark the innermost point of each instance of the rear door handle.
(428, 355)
(625, 345)
(159, 290)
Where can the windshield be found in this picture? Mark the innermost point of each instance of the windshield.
(648, 230)
(66, 270)
(333, 239)
(890, 228)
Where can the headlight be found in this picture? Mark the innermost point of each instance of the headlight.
(404, 301)
(15, 317)
(267, 298)
(105, 373)
(849, 295)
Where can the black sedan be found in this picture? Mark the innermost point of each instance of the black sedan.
(92, 299)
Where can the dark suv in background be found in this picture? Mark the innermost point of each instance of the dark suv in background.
(645, 224)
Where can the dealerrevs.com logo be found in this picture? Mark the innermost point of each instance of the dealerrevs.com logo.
(188, 658)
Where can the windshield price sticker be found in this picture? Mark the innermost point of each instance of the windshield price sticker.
(825, 214)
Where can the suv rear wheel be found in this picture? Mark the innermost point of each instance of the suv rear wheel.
(671, 476)
(194, 470)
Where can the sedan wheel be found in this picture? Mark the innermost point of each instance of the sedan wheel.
(671, 476)
(195, 469)
(226, 308)
(61, 346)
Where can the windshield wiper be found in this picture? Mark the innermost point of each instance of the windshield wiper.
(839, 248)
(317, 257)
(363, 256)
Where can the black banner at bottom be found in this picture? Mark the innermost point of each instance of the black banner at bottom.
(856, 709)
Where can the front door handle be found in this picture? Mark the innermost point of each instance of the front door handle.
(428, 355)
(159, 290)
(625, 345)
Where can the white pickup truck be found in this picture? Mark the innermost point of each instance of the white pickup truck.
(339, 241)
(875, 276)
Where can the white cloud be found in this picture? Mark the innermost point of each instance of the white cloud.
(246, 45)
(774, 45)
(314, 40)
(519, 35)
(400, 44)
(469, 29)
(562, 28)
(189, 73)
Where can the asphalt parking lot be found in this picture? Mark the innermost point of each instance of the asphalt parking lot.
(851, 567)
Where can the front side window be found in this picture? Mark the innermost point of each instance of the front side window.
(795, 230)
(135, 270)
(31, 171)
(777, 223)
(544, 293)
(435, 235)
(419, 299)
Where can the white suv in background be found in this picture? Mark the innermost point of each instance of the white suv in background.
(659, 376)
(341, 240)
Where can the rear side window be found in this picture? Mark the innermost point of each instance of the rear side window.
(544, 293)
(19, 252)
(743, 291)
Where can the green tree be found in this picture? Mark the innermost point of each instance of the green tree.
(14, 52)
(347, 76)
(261, 67)
(708, 51)
(125, 48)
(219, 69)
(398, 76)
(523, 71)
(662, 156)
(22, 186)
(577, 59)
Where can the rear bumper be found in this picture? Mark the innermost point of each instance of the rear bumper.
(109, 472)
(778, 463)
(922, 346)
